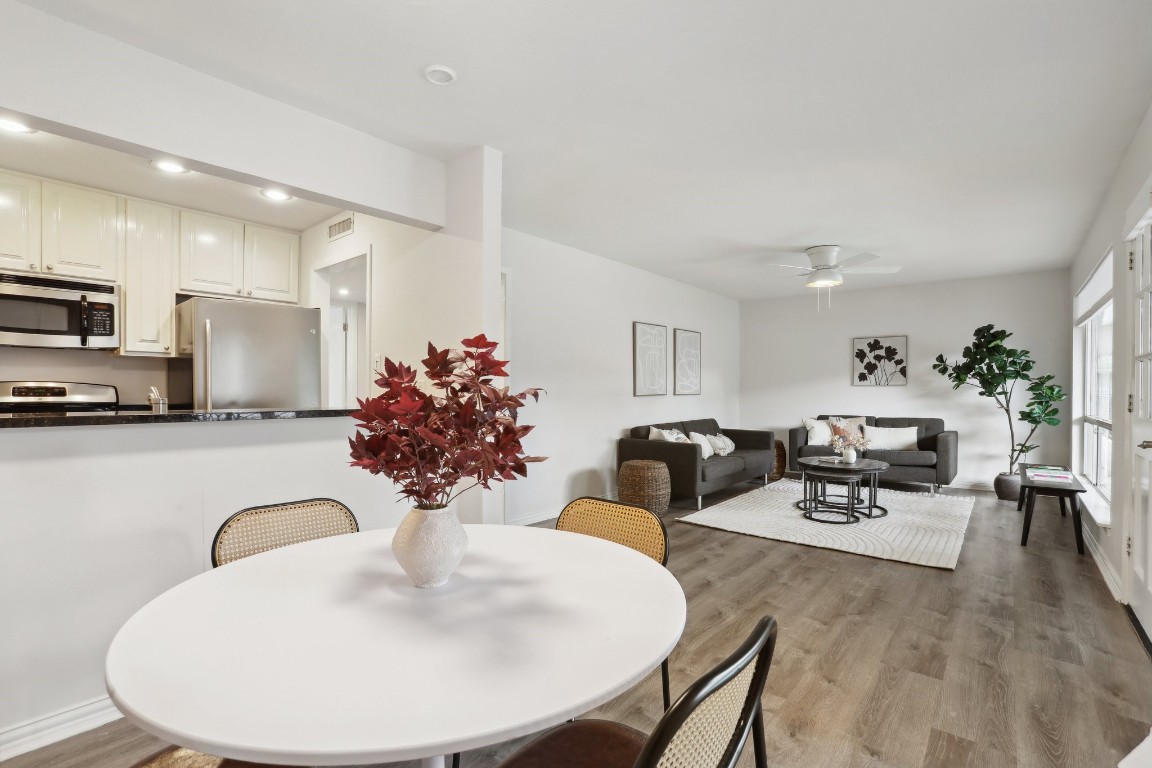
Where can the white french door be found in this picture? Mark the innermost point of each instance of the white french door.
(1138, 527)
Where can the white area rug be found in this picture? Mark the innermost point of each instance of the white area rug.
(919, 529)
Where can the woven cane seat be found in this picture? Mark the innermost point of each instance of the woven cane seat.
(182, 757)
(259, 529)
(645, 482)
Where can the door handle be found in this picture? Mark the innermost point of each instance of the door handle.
(1145, 444)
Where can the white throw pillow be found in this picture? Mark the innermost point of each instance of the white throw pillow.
(890, 438)
(819, 433)
(702, 441)
(721, 443)
(655, 433)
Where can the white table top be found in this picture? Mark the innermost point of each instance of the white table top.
(323, 653)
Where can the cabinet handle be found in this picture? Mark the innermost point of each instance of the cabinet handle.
(249, 293)
(49, 267)
(237, 291)
(166, 347)
(32, 267)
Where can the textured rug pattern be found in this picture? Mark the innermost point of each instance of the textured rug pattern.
(919, 529)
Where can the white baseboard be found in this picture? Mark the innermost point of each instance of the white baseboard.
(52, 728)
(532, 518)
(1111, 578)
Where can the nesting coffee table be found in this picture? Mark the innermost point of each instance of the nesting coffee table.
(816, 472)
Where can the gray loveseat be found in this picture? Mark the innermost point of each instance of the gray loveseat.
(693, 475)
(933, 462)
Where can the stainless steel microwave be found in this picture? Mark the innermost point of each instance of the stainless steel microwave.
(56, 312)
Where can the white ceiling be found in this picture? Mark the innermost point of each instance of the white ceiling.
(694, 139)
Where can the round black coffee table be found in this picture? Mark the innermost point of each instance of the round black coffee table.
(816, 472)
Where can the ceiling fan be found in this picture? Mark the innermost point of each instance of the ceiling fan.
(827, 270)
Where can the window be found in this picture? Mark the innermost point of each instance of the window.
(1096, 455)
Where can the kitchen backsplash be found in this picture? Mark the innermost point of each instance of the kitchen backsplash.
(132, 376)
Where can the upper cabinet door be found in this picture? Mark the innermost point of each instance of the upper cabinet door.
(81, 231)
(272, 264)
(19, 222)
(211, 254)
(149, 292)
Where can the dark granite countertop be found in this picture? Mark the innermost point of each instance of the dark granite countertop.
(146, 417)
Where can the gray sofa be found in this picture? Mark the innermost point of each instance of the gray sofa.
(691, 474)
(933, 462)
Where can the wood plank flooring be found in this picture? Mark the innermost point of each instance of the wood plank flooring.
(1019, 658)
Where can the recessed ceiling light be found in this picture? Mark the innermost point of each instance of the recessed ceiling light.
(438, 74)
(342, 291)
(169, 166)
(278, 195)
(13, 126)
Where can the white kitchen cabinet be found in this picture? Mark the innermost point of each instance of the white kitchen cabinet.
(80, 231)
(148, 300)
(19, 222)
(230, 258)
(271, 264)
(211, 254)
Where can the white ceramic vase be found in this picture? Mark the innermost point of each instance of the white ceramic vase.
(429, 544)
(850, 455)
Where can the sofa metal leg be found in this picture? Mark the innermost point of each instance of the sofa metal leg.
(699, 503)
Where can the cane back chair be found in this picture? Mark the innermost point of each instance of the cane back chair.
(707, 727)
(628, 524)
(250, 532)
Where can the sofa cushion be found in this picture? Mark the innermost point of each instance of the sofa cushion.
(703, 426)
(903, 458)
(722, 466)
(754, 457)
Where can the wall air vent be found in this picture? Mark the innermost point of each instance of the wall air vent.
(340, 228)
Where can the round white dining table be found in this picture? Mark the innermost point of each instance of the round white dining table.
(323, 653)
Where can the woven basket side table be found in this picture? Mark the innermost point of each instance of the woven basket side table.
(780, 464)
(646, 483)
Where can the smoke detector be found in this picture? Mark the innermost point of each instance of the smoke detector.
(438, 74)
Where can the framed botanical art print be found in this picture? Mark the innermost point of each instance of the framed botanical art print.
(685, 362)
(880, 361)
(649, 359)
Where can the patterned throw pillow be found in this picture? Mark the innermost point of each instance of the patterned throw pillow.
(675, 436)
(721, 444)
(853, 427)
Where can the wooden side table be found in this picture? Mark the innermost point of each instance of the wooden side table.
(1030, 489)
(645, 482)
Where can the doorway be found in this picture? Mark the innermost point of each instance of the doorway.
(348, 369)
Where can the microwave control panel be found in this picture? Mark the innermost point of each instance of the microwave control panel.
(101, 320)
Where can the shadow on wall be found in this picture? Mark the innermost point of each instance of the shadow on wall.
(588, 482)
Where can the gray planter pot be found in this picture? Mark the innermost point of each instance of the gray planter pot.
(1007, 485)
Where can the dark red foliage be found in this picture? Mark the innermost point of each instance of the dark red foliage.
(428, 443)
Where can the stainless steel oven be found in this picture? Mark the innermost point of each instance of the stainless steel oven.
(40, 311)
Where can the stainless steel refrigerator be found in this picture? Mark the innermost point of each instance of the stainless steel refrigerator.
(245, 355)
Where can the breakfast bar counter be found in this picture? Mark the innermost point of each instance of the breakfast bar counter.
(104, 418)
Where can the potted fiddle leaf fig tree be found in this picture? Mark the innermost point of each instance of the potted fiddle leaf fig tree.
(995, 369)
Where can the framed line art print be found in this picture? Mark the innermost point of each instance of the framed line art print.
(649, 359)
(686, 367)
(880, 361)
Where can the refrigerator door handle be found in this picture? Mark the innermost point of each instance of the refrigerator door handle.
(208, 364)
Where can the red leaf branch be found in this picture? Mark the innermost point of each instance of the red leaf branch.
(428, 444)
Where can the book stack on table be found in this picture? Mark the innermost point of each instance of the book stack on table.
(1048, 474)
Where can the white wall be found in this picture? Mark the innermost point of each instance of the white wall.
(1128, 197)
(84, 85)
(795, 362)
(570, 316)
(96, 521)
